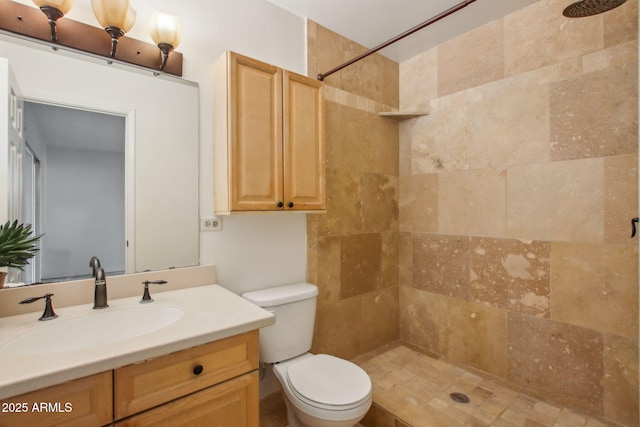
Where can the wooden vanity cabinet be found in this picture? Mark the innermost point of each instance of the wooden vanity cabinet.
(269, 150)
(154, 382)
(214, 384)
(231, 404)
(83, 402)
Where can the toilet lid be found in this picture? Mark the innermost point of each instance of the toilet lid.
(329, 380)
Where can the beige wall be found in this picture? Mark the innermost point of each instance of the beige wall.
(515, 200)
(353, 248)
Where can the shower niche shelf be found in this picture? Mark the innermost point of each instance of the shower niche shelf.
(403, 115)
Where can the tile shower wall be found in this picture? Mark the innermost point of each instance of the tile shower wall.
(353, 248)
(515, 199)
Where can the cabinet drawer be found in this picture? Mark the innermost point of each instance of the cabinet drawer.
(147, 384)
(231, 404)
(83, 402)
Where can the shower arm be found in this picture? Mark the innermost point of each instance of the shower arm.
(399, 37)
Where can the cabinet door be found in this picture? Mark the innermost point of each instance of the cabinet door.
(256, 134)
(84, 402)
(304, 164)
(230, 404)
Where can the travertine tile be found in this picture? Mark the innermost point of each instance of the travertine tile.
(571, 67)
(359, 203)
(360, 264)
(328, 51)
(343, 204)
(404, 146)
(378, 198)
(621, 24)
(563, 362)
(419, 81)
(389, 266)
(327, 275)
(621, 379)
(596, 61)
(539, 35)
(419, 316)
(419, 203)
(375, 77)
(473, 334)
(378, 417)
(441, 264)
(473, 202)
(601, 121)
(471, 59)
(464, 332)
(624, 53)
(620, 198)
(596, 287)
(379, 319)
(510, 129)
(360, 141)
(405, 262)
(556, 201)
(439, 141)
(353, 249)
(511, 274)
(406, 396)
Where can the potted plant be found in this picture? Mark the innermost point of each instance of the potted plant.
(17, 246)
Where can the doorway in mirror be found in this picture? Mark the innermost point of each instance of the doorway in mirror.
(74, 190)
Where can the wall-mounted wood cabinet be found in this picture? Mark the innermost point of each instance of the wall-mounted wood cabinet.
(269, 138)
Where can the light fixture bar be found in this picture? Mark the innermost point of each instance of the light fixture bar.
(30, 23)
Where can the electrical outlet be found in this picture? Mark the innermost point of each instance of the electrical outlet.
(213, 223)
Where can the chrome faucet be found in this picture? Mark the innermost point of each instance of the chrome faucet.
(100, 296)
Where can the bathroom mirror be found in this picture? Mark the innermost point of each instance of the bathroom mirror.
(155, 213)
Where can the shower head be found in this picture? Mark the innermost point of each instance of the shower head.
(583, 8)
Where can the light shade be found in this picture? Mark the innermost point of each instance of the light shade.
(165, 29)
(114, 13)
(63, 6)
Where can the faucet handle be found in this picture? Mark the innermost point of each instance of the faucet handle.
(48, 306)
(146, 297)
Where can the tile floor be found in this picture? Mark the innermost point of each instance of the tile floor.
(411, 389)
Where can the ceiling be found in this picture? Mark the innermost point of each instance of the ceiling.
(372, 22)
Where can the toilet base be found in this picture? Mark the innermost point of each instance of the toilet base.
(294, 420)
(301, 414)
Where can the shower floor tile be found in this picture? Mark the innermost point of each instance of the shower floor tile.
(413, 389)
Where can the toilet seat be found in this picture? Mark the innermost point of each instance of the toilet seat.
(328, 382)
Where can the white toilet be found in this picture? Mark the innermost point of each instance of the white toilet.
(319, 390)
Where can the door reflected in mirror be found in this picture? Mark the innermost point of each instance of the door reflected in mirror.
(74, 190)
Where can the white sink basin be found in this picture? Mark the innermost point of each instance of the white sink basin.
(95, 329)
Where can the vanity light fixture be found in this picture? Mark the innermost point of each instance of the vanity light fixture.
(116, 17)
(166, 32)
(54, 10)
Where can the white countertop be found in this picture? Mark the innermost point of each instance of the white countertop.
(210, 313)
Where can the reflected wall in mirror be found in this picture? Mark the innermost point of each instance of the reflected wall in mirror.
(73, 190)
(159, 119)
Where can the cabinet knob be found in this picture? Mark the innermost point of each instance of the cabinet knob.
(197, 370)
(290, 204)
(280, 204)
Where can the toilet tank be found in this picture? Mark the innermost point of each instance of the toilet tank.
(295, 309)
